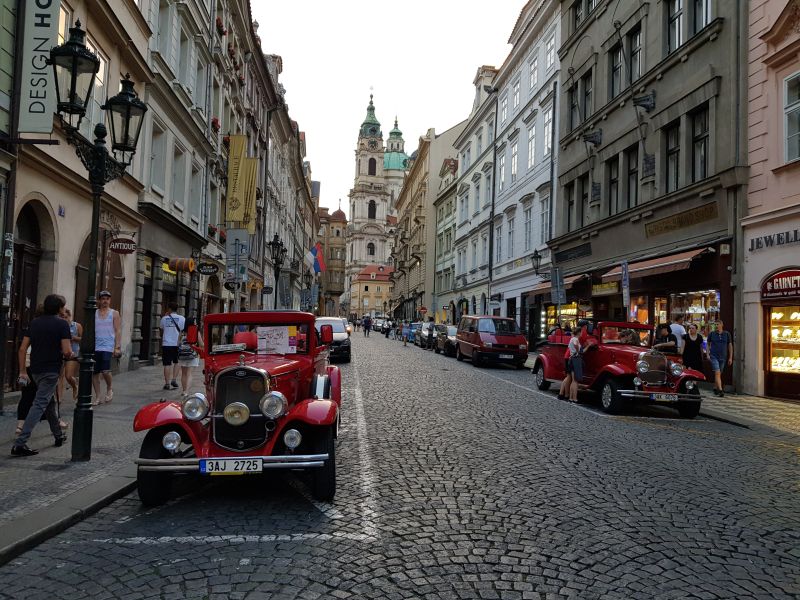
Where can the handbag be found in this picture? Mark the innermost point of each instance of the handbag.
(185, 350)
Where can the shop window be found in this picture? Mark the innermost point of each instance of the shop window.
(699, 308)
(660, 311)
(784, 355)
(638, 310)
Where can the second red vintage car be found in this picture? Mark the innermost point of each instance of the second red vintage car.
(621, 365)
(272, 401)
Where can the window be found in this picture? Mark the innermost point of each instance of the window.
(514, 162)
(511, 238)
(196, 195)
(64, 23)
(488, 190)
(528, 228)
(178, 192)
(371, 249)
(791, 113)
(702, 14)
(612, 169)
(569, 197)
(490, 135)
(674, 24)
(615, 61)
(503, 110)
(515, 95)
(531, 144)
(372, 168)
(372, 208)
(534, 72)
(474, 254)
(184, 56)
(700, 144)
(635, 54)
(574, 109)
(366, 289)
(378, 289)
(548, 130)
(469, 157)
(577, 14)
(673, 135)
(158, 158)
(584, 216)
(480, 143)
(502, 172)
(462, 209)
(498, 236)
(632, 164)
(164, 29)
(477, 195)
(544, 226)
(586, 85)
(199, 92)
(550, 52)
(484, 249)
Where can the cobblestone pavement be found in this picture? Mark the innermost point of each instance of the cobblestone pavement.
(459, 482)
(777, 414)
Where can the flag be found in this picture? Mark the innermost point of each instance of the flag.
(319, 260)
(235, 195)
(309, 258)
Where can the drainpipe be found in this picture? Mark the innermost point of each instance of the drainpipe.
(494, 91)
(553, 190)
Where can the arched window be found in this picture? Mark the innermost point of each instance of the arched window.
(371, 210)
(372, 166)
(338, 233)
(371, 249)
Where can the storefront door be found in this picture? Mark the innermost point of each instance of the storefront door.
(780, 298)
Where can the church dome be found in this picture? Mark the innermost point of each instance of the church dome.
(371, 127)
(339, 215)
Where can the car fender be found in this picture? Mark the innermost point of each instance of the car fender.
(315, 411)
(160, 414)
(550, 371)
(335, 377)
(691, 374)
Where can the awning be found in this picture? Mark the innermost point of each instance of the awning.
(544, 287)
(656, 266)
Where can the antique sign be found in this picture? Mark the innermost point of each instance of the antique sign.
(122, 246)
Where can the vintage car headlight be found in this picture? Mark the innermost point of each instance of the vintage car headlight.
(171, 441)
(195, 407)
(292, 438)
(637, 382)
(236, 413)
(273, 405)
(523, 346)
(690, 384)
(642, 366)
(676, 368)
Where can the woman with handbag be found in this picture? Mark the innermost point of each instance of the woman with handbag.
(187, 356)
(575, 349)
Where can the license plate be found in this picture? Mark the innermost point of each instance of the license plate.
(506, 356)
(664, 397)
(230, 466)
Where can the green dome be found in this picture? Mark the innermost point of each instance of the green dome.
(395, 133)
(371, 127)
(394, 161)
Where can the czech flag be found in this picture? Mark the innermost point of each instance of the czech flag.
(319, 260)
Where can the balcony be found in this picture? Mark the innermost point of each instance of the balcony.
(293, 268)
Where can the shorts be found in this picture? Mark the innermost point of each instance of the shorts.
(102, 361)
(576, 364)
(189, 362)
(717, 364)
(169, 355)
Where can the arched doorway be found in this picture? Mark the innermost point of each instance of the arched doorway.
(212, 296)
(452, 313)
(484, 308)
(110, 274)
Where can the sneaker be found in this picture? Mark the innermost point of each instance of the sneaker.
(560, 397)
(23, 451)
(60, 441)
(174, 384)
(167, 386)
(717, 392)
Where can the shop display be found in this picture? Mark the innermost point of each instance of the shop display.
(700, 308)
(568, 315)
(785, 339)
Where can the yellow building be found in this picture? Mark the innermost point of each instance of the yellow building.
(371, 291)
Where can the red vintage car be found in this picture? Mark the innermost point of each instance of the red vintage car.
(272, 401)
(620, 364)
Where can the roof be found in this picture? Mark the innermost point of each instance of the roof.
(381, 272)
(395, 161)
(338, 215)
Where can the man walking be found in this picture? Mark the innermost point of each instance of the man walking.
(679, 331)
(720, 353)
(107, 340)
(172, 325)
(49, 338)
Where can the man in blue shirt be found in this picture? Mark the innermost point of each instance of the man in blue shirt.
(720, 353)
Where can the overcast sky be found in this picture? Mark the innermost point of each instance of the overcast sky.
(419, 56)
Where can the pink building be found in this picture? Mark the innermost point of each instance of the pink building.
(771, 228)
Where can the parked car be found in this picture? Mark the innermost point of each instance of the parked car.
(271, 401)
(621, 365)
(339, 348)
(426, 335)
(412, 332)
(377, 323)
(491, 339)
(347, 326)
(446, 340)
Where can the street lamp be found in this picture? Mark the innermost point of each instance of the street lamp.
(307, 281)
(75, 67)
(536, 259)
(278, 254)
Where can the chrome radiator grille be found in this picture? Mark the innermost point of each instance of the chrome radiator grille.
(656, 373)
(248, 387)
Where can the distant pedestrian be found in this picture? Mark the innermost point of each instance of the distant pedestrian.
(186, 361)
(107, 345)
(575, 350)
(172, 325)
(693, 349)
(678, 330)
(367, 324)
(71, 366)
(406, 332)
(720, 353)
(49, 339)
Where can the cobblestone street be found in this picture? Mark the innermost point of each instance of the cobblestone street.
(460, 482)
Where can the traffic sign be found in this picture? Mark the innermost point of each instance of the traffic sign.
(423, 310)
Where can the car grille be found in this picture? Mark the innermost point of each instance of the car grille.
(235, 386)
(656, 373)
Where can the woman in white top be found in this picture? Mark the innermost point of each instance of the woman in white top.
(575, 363)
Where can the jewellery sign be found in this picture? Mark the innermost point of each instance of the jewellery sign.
(38, 91)
(784, 284)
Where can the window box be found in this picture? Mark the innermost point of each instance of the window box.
(212, 230)
(221, 27)
(215, 124)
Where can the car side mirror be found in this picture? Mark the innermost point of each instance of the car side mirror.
(326, 334)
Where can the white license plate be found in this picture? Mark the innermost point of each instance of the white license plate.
(230, 466)
(664, 397)
(506, 356)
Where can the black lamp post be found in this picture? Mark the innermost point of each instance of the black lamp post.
(536, 259)
(307, 281)
(278, 253)
(75, 67)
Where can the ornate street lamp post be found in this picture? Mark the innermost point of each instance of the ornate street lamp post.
(75, 67)
(278, 253)
(307, 281)
(536, 259)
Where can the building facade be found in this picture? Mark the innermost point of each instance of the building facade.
(652, 148)
(333, 228)
(770, 253)
(372, 289)
(444, 266)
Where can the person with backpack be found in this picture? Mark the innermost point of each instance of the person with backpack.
(172, 325)
(720, 353)
(188, 357)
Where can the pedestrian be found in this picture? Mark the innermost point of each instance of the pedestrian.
(388, 327)
(49, 339)
(367, 324)
(563, 390)
(107, 345)
(189, 361)
(575, 350)
(406, 333)
(678, 330)
(665, 341)
(720, 353)
(71, 366)
(692, 349)
(172, 325)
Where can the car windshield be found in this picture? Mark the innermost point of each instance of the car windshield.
(498, 326)
(451, 330)
(625, 335)
(338, 326)
(263, 338)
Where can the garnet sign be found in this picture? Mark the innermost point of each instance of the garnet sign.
(122, 246)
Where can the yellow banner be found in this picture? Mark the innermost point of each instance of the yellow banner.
(236, 198)
(249, 176)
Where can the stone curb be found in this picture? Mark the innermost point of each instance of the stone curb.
(31, 529)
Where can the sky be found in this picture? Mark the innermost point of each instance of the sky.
(418, 56)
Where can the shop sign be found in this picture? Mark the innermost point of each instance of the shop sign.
(573, 253)
(784, 284)
(605, 289)
(423, 310)
(496, 297)
(682, 220)
(267, 289)
(230, 286)
(168, 276)
(122, 246)
(207, 268)
(37, 101)
(774, 240)
(148, 267)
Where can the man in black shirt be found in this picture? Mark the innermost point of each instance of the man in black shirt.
(49, 338)
(666, 341)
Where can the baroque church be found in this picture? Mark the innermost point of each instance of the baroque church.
(378, 179)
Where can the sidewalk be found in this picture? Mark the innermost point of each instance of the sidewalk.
(753, 411)
(43, 494)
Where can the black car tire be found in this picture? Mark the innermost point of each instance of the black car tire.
(347, 360)
(538, 374)
(154, 487)
(323, 479)
(689, 410)
(610, 400)
(459, 356)
(476, 359)
(520, 365)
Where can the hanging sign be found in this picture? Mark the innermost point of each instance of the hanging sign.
(122, 246)
(626, 285)
(181, 264)
(38, 87)
(783, 284)
(207, 268)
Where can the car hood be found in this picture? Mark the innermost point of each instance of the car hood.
(274, 364)
(340, 337)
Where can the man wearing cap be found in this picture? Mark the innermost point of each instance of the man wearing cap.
(107, 340)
